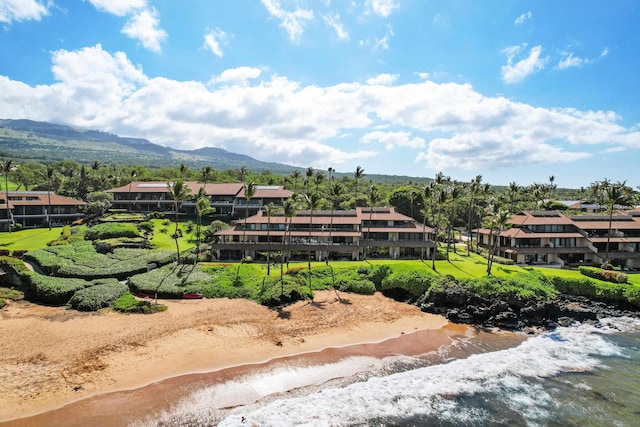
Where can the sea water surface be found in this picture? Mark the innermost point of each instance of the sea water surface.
(583, 375)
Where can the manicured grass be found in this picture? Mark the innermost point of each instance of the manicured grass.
(28, 240)
(164, 240)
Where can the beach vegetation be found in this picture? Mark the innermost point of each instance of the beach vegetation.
(98, 296)
(127, 303)
(110, 230)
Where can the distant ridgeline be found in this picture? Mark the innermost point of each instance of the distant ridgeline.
(44, 142)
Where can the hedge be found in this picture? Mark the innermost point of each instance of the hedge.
(171, 281)
(110, 230)
(605, 275)
(80, 260)
(52, 290)
(98, 296)
(414, 282)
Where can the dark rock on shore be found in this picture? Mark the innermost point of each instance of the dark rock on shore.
(515, 313)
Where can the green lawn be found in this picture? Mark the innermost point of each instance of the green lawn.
(34, 238)
(163, 240)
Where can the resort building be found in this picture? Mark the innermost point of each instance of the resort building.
(345, 235)
(226, 199)
(550, 237)
(33, 209)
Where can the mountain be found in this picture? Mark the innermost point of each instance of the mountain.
(45, 142)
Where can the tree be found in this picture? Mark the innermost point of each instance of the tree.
(134, 174)
(242, 174)
(50, 176)
(497, 222)
(202, 208)
(183, 170)
(178, 191)
(427, 194)
(289, 209)
(454, 193)
(7, 166)
(83, 184)
(95, 165)
(307, 181)
(357, 175)
(269, 211)
(99, 204)
(205, 174)
(440, 202)
(249, 192)
(612, 193)
(474, 187)
(407, 200)
(311, 201)
(373, 196)
(295, 176)
(318, 178)
(335, 192)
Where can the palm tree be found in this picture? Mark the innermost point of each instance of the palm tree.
(318, 177)
(613, 193)
(178, 191)
(309, 175)
(7, 166)
(374, 196)
(331, 171)
(454, 194)
(498, 220)
(242, 174)
(474, 186)
(357, 175)
(205, 174)
(289, 209)
(202, 208)
(295, 176)
(134, 174)
(311, 201)
(249, 192)
(95, 165)
(183, 170)
(427, 193)
(50, 176)
(335, 191)
(514, 191)
(269, 211)
(440, 202)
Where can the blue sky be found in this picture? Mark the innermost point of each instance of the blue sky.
(511, 90)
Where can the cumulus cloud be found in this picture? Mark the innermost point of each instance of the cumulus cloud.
(569, 59)
(237, 75)
(517, 70)
(21, 10)
(448, 125)
(143, 23)
(119, 7)
(143, 26)
(523, 18)
(392, 140)
(383, 79)
(213, 39)
(382, 8)
(293, 22)
(333, 20)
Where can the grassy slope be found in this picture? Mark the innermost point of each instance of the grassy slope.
(35, 238)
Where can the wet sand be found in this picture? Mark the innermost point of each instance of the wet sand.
(52, 357)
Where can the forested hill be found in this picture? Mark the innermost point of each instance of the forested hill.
(43, 142)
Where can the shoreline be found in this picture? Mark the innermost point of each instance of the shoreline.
(76, 356)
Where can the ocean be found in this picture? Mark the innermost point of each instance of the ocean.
(575, 376)
(582, 375)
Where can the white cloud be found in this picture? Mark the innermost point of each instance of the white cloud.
(392, 140)
(333, 20)
(604, 52)
(21, 10)
(383, 79)
(570, 61)
(516, 72)
(382, 8)
(293, 22)
(523, 18)
(383, 43)
(213, 39)
(237, 75)
(423, 76)
(143, 26)
(119, 7)
(448, 125)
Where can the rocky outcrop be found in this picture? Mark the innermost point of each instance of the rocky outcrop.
(516, 313)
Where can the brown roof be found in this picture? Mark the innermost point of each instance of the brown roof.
(40, 198)
(219, 189)
(267, 191)
(540, 218)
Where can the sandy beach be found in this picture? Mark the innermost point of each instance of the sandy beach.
(52, 356)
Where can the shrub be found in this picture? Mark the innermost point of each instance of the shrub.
(171, 281)
(414, 282)
(14, 263)
(603, 274)
(18, 253)
(127, 303)
(146, 226)
(112, 230)
(5, 252)
(378, 274)
(98, 296)
(591, 289)
(52, 290)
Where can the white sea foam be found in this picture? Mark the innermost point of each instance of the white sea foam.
(428, 391)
